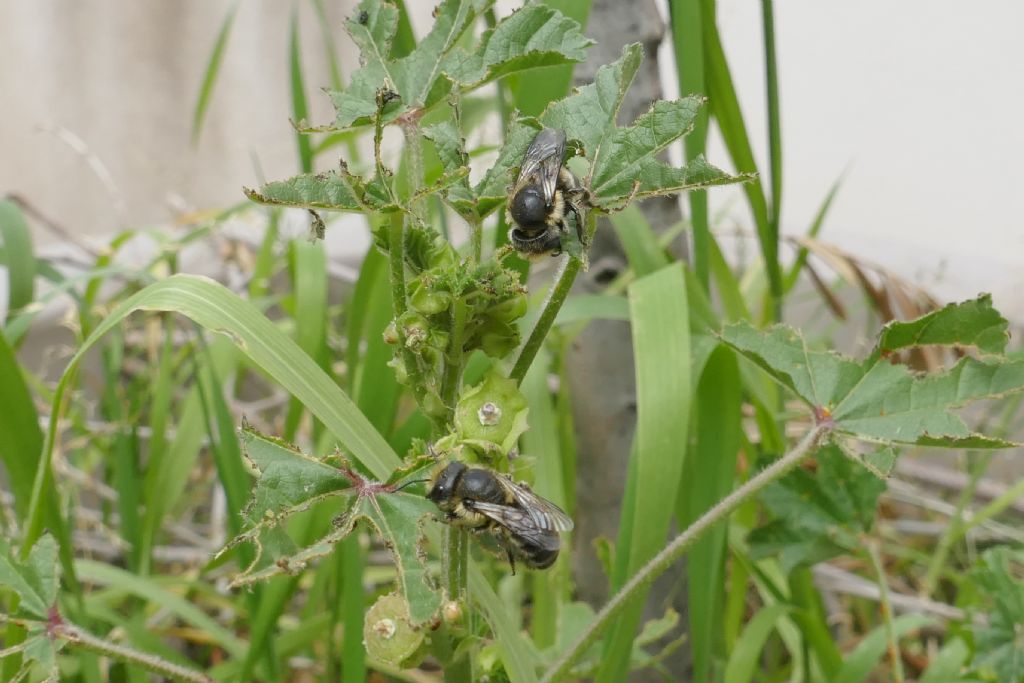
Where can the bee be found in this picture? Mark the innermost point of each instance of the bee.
(479, 498)
(544, 191)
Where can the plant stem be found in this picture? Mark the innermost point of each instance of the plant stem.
(549, 311)
(886, 607)
(454, 358)
(414, 161)
(76, 637)
(680, 544)
(399, 302)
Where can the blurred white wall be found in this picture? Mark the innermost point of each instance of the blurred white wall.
(921, 103)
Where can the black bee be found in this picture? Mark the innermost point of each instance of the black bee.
(480, 498)
(541, 196)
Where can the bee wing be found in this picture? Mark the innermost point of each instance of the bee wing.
(543, 159)
(518, 522)
(545, 514)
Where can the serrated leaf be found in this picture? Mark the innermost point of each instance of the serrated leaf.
(998, 643)
(968, 323)
(341, 191)
(818, 515)
(291, 481)
(451, 150)
(624, 161)
(532, 37)
(875, 400)
(35, 580)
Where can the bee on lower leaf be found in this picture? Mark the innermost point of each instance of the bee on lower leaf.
(479, 498)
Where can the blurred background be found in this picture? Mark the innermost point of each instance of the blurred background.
(915, 105)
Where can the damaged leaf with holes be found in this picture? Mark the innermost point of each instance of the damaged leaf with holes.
(291, 482)
(878, 401)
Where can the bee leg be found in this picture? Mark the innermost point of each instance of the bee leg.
(511, 559)
(580, 231)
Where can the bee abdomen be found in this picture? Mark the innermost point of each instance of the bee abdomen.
(535, 556)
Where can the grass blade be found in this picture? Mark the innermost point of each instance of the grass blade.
(300, 108)
(858, 664)
(726, 108)
(687, 17)
(771, 78)
(819, 220)
(19, 260)
(708, 474)
(745, 656)
(661, 342)
(210, 76)
(216, 308)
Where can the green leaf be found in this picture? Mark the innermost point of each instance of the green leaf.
(35, 580)
(532, 37)
(16, 239)
(947, 665)
(623, 161)
(292, 482)
(212, 69)
(451, 149)
(819, 515)
(998, 644)
(341, 191)
(661, 340)
(859, 663)
(969, 323)
(874, 400)
(745, 657)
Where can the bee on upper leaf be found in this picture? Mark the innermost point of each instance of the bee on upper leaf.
(542, 196)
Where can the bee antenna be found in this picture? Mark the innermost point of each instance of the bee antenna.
(409, 483)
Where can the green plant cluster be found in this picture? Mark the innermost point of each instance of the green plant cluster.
(436, 355)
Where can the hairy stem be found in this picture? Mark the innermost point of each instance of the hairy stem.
(78, 638)
(454, 359)
(414, 165)
(679, 545)
(399, 302)
(549, 311)
(886, 608)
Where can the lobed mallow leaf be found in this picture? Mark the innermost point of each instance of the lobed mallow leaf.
(968, 323)
(342, 191)
(35, 580)
(291, 482)
(624, 162)
(818, 515)
(875, 400)
(534, 36)
(998, 642)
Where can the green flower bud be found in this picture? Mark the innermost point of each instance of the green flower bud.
(492, 414)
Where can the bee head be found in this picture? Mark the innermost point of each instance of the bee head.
(444, 480)
(529, 208)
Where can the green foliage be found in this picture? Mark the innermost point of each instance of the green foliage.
(999, 642)
(35, 579)
(881, 402)
(818, 515)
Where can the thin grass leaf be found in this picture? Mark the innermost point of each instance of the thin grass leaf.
(812, 232)
(18, 259)
(661, 339)
(708, 475)
(212, 70)
(857, 665)
(152, 592)
(726, 110)
(687, 19)
(214, 307)
(638, 240)
(745, 657)
(300, 108)
(330, 49)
